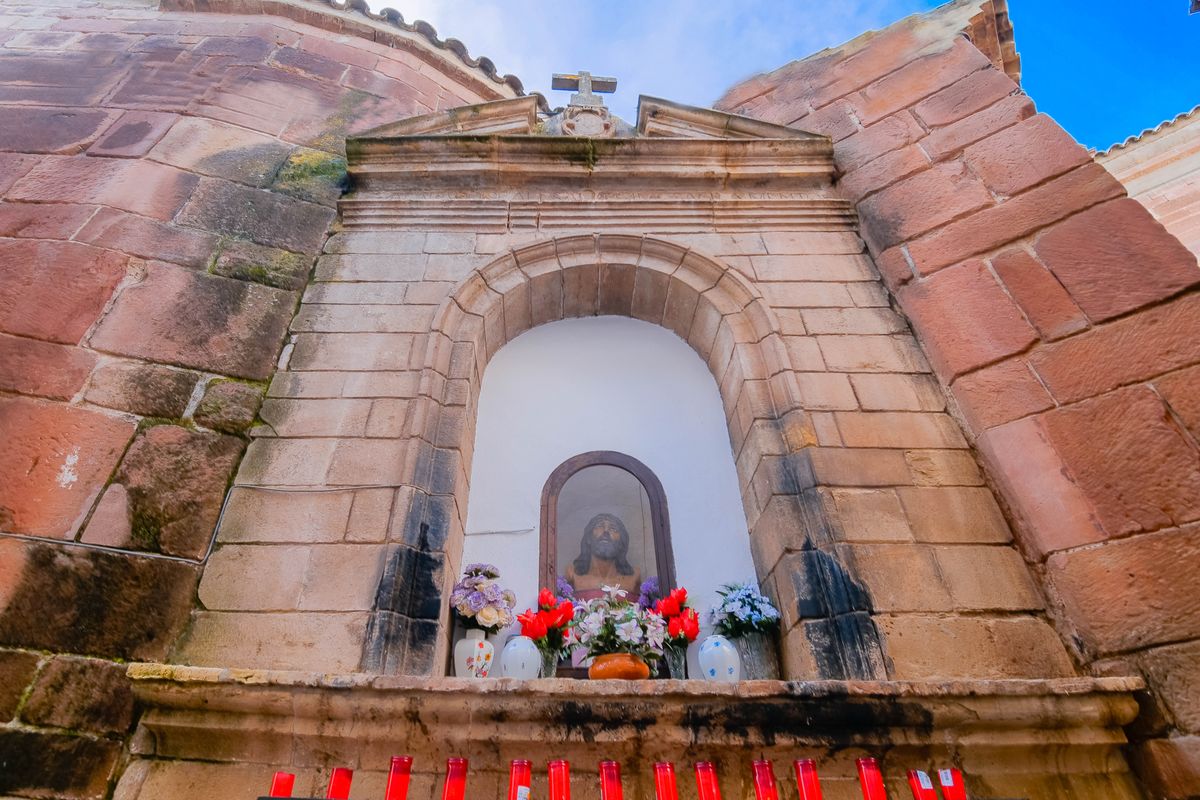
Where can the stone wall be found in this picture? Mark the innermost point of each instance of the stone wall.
(167, 180)
(1062, 318)
(1161, 170)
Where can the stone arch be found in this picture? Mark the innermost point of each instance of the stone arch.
(725, 320)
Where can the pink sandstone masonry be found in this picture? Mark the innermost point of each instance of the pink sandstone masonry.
(167, 180)
(1063, 320)
(957, 286)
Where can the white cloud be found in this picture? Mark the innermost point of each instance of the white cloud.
(682, 50)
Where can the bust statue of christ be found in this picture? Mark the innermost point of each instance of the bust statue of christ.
(603, 559)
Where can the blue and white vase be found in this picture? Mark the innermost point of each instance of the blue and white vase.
(520, 658)
(719, 660)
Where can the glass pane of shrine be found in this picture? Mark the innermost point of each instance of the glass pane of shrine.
(605, 532)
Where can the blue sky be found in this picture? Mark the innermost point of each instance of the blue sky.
(1104, 69)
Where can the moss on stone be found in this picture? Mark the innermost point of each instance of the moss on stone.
(314, 175)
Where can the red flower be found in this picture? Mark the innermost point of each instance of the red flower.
(680, 596)
(532, 625)
(668, 607)
(546, 599)
(691, 624)
(566, 611)
(675, 627)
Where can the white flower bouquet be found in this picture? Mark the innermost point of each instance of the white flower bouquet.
(479, 601)
(613, 624)
(743, 610)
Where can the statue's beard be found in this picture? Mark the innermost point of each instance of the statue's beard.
(606, 549)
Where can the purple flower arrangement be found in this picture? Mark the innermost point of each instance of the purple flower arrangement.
(479, 601)
(649, 592)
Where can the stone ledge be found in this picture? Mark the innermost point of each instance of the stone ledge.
(1015, 738)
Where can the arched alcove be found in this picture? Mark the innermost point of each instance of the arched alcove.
(603, 384)
(723, 318)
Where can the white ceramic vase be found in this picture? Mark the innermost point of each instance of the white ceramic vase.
(719, 660)
(473, 655)
(520, 658)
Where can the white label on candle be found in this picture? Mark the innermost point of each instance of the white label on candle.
(946, 776)
(923, 779)
(522, 793)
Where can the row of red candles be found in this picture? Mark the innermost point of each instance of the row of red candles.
(559, 774)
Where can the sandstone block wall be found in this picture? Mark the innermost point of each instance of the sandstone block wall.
(1161, 170)
(1063, 319)
(166, 180)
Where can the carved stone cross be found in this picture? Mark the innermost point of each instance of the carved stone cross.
(586, 84)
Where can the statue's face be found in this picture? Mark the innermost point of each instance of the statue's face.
(606, 539)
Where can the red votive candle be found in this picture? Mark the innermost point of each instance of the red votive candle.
(398, 778)
(610, 781)
(706, 781)
(664, 781)
(953, 787)
(807, 780)
(520, 777)
(764, 780)
(559, 774)
(871, 779)
(922, 787)
(281, 784)
(455, 787)
(339, 784)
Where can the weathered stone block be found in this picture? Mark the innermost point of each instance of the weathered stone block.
(965, 318)
(1130, 459)
(1051, 509)
(1174, 673)
(924, 647)
(1181, 390)
(1000, 393)
(305, 641)
(1115, 595)
(148, 238)
(1135, 348)
(36, 129)
(1115, 257)
(214, 148)
(1043, 299)
(28, 366)
(946, 141)
(86, 694)
(55, 290)
(885, 392)
(267, 218)
(313, 175)
(17, 668)
(146, 389)
(88, 601)
(58, 765)
(1170, 767)
(176, 479)
(228, 406)
(1016, 217)
(195, 320)
(987, 578)
(899, 429)
(133, 135)
(267, 516)
(55, 460)
(269, 266)
(954, 514)
(973, 93)
(1024, 155)
(918, 204)
(143, 187)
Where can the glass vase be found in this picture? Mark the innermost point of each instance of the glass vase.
(757, 652)
(549, 665)
(676, 658)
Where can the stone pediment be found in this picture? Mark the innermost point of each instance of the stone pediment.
(657, 118)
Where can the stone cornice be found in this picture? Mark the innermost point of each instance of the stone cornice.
(422, 163)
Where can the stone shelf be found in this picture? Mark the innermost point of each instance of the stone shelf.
(1016, 738)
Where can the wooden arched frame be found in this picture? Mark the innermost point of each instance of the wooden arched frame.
(660, 521)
